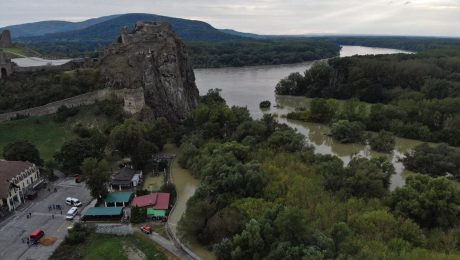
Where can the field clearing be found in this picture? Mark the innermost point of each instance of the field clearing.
(46, 134)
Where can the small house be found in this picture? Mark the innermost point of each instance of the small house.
(126, 178)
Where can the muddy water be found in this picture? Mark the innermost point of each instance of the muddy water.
(248, 86)
(186, 185)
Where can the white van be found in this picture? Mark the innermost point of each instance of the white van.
(72, 201)
(71, 213)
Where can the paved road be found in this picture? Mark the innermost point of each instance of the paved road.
(19, 226)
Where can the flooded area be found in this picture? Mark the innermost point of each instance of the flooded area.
(248, 86)
(186, 185)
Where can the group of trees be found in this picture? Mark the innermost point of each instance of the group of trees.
(264, 194)
(348, 121)
(418, 95)
(30, 89)
(87, 153)
(439, 160)
(259, 52)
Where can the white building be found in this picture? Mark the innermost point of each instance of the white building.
(16, 180)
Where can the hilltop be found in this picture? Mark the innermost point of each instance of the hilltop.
(104, 29)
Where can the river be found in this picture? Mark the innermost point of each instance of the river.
(247, 87)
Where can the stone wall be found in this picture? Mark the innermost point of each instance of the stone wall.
(133, 102)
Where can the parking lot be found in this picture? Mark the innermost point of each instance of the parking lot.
(18, 226)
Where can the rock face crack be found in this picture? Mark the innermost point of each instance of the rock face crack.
(154, 58)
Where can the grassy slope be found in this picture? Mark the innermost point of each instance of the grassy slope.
(47, 135)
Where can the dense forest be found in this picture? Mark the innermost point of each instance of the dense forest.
(234, 53)
(414, 96)
(246, 53)
(30, 89)
(265, 195)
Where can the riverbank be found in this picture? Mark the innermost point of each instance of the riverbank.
(186, 186)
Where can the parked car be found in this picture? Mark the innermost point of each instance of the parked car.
(71, 213)
(147, 229)
(73, 202)
(32, 195)
(78, 179)
(36, 235)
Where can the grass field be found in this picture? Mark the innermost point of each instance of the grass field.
(47, 135)
(20, 53)
(105, 247)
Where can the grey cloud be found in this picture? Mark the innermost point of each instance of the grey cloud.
(420, 17)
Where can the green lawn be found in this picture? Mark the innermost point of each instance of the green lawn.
(15, 51)
(109, 247)
(47, 135)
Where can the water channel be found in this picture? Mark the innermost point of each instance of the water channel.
(247, 86)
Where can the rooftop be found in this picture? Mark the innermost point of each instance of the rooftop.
(8, 170)
(156, 200)
(118, 197)
(104, 211)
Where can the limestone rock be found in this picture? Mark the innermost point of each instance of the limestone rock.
(154, 58)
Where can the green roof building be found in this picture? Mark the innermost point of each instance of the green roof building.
(116, 199)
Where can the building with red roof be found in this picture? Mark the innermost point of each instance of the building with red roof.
(156, 200)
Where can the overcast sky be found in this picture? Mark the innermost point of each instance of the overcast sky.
(406, 17)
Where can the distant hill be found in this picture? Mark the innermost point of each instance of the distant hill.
(243, 34)
(47, 27)
(107, 30)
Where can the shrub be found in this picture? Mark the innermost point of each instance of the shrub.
(265, 104)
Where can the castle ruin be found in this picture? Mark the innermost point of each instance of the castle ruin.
(5, 39)
(6, 66)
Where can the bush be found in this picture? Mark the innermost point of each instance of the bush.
(383, 142)
(265, 104)
(138, 215)
(64, 112)
(345, 131)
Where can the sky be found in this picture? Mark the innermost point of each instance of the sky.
(380, 17)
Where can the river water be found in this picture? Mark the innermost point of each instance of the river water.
(247, 87)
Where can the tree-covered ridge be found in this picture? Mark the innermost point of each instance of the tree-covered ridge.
(415, 96)
(259, 52)
(265, 195)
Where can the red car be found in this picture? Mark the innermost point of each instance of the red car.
(147, 229)
(36, 235)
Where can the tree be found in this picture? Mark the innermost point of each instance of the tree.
(22, 151)
(347, 132)
(97, 176)
(322, 110)
(138, 215)
(431, 202)
(158, 132)
(383, 142)
(143, 153)
(127, 136)
(435, 161)
(73, 152)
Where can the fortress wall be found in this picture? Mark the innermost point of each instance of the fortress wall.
(133, 99)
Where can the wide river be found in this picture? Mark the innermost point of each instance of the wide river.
(247, 87)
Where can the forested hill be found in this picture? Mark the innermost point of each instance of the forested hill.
(48, 27)
(108, 30)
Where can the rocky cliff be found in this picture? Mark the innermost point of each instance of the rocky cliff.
(152, 57)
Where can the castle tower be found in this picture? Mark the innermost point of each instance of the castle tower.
(5, 39)
(6, 66)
